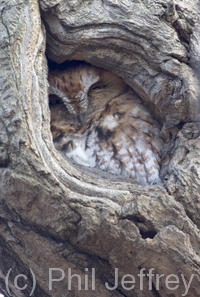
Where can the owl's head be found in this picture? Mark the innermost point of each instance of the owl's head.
(72, 87)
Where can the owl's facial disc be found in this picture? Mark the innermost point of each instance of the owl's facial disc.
(77, 107)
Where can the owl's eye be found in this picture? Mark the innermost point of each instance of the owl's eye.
(98, 87)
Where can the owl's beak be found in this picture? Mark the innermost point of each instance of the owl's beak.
(81, 117)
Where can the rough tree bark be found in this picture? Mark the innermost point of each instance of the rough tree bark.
(54, 214)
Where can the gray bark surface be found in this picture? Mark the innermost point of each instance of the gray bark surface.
(55, 214)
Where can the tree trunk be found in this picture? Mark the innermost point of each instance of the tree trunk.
(82, 221)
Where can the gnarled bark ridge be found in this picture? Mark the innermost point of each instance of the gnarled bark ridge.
(55, 214)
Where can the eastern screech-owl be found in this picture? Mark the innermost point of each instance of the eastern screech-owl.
(99, 121)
